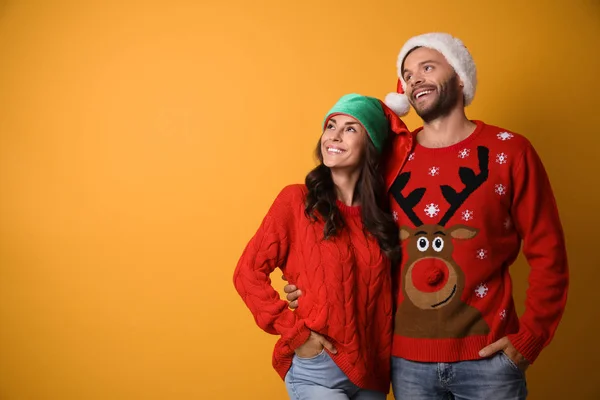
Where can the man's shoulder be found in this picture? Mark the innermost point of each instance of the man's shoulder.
(505, 138)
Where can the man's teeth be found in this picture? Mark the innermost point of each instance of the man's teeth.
(423, 93)
(332, 150)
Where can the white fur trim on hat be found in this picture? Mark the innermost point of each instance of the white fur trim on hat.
(455, 53)
(398, 103)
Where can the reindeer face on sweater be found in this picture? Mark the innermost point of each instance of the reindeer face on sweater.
(432, 278)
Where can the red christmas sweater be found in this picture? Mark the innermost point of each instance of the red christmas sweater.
(464, 211)
(346, 284)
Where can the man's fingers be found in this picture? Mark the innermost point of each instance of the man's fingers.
(513, 353)
(289, 288)
(291, 296)
(493, 348)
(293, 304)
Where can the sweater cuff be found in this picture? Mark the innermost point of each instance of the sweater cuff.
(299, 338)
(527, 344)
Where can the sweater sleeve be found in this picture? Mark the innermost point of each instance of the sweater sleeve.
(266, 251)
(536, 219)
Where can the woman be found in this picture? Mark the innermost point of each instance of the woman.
(334, 237)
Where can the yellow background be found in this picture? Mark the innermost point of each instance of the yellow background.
(142, 142)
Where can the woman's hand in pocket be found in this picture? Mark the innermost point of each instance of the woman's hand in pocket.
(314, 345)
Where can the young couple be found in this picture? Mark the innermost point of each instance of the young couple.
(398, 246)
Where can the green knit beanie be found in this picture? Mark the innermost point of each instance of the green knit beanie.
(368, 111)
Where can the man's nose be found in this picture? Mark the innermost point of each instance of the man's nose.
(417, 79)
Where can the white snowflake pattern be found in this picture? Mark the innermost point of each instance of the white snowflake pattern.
(395, 215)
(433, 171)
(411, 156)
(432, 210)
(505, 136)
(501, 158)
(481, 290)
(464, 153)
(467, 215)
(481, 254)
(503, 314)
(500, 189)
(507, 223)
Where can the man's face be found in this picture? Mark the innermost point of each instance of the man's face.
(432, 86)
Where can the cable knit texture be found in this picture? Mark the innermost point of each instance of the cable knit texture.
(346, 284)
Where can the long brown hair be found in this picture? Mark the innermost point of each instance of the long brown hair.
(370, 192)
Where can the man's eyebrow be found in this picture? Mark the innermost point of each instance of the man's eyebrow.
(428, 62)
(421, 63)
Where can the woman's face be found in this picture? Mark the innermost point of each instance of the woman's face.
(343, 142)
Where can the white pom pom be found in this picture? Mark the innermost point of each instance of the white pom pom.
(398, 103)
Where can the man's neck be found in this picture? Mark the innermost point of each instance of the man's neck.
(447, 130)
(345, 185)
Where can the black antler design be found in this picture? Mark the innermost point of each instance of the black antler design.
(471, 182)
(409, 202)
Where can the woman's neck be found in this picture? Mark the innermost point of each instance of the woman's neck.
(345, 185)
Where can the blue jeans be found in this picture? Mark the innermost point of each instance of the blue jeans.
(494, 378)
(319, 378)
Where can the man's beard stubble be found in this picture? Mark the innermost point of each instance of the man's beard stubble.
(447, 99)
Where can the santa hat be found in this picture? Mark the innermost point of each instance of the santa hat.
(455, 53)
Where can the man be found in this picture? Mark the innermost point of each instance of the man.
(465, 199)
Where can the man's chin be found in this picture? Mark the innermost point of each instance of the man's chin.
(431, 111)
(425, 112)
(423, 107)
